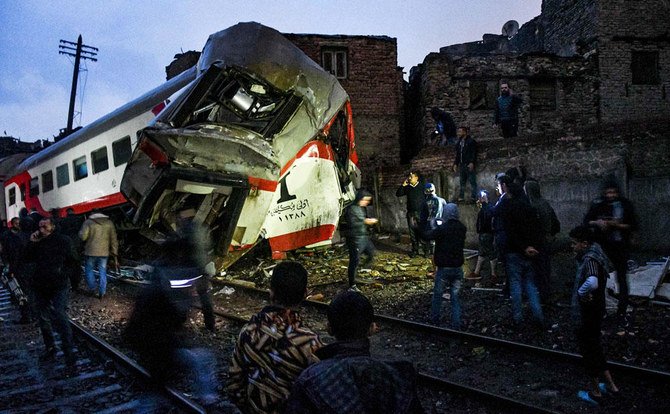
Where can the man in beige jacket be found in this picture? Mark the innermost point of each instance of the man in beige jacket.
(99, 235)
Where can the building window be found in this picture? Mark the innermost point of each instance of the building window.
(542, 94)
(62, 175)
(644, 67)
(11, 195)
(99, 160)
(47, 181)
(80, 168)
(335, 61)
(34, 186)
(483, 94)
(121, 150)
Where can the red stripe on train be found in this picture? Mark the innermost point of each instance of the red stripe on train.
(302, 238)
(313, 149)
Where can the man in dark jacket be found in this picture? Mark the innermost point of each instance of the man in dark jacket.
(507, 111)
(521, 229)
(548, 227)
(449, 236)
(70, 226)
(53, 256)
(348, 379)
(485, 233)
(413, 189)
(358, 241)
(13, 244)
(466, 156)
(614, 216)
(445, 127)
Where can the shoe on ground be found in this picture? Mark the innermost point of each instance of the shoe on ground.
(608, 392)
(48, 355)
(587, 396)
(354, 288)
(101, 295)
(473, 276)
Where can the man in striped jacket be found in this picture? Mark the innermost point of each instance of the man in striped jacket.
(274, 347)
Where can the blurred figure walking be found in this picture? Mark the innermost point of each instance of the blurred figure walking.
(99, 235)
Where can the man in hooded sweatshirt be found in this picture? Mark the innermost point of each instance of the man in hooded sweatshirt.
(449, 235)
(99, 235)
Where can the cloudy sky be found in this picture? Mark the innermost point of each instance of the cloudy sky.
(137, 39)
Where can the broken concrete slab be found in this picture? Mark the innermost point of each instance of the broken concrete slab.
(643, 281)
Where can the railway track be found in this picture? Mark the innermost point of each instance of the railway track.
(463, 366)
(104, 380)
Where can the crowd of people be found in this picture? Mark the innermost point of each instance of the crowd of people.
(281, 365)
(43, 255)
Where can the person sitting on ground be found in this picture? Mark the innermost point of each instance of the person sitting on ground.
(485, 232)
(273, 347)
(449, 236)
(348, 379)
(589, 304)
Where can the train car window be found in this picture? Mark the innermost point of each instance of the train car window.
(99, 160)
(34, 186)
(80, 168)
(22, 189)
(62, 175)
(11, 195)
(47, 181)
(121, 150)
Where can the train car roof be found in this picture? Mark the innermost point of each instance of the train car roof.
(122, 114)
(267, 53)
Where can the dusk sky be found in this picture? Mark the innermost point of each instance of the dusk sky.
(136, 40)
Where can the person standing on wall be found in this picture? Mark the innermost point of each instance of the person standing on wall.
(445, 127)
(99, 235)
(506, 113)
(413, 188)
(466, 155)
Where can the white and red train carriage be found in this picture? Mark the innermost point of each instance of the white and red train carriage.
(259, 140)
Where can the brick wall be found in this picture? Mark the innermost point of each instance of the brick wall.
(625, 27)
(375, 86)
(449, 83)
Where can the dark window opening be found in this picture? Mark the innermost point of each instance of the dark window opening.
(80, 168)
(99, 160)
(34, 187)
(121, 150)
(47, 181)
(644, 68)
(334, 61)
(11, 195)
(542, 94)
(483, 94)
(62, 175)
(22, 188)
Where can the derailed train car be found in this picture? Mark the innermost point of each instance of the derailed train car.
(261, 144)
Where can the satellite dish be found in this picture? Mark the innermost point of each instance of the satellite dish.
(510, 28)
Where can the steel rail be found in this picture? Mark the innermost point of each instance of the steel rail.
(569, 357)
(123, 360)
(449, 386)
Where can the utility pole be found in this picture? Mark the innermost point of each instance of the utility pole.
(81, 51)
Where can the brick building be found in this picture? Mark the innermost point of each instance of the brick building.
(367, 68)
